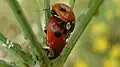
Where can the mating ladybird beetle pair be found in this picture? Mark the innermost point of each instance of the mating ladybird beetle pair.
(60, 25)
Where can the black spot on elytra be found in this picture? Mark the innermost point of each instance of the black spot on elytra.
(58, 34)
(62, 9)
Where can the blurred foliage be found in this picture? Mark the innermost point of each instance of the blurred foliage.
(100, 43)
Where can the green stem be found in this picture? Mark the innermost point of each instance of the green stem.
(41, 35)
(36, 47)
(72, 3)
(5, 64)
(83, 21)
(47, 10)
(16, 50)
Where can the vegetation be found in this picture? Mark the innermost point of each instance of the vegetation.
(35, 56)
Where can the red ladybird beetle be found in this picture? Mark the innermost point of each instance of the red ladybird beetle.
(55, 38)
(65, 13)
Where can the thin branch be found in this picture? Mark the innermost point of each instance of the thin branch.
(36, 47)
(81, 24)
(72, 3)
(16, 50)
(5, 64)
(47, 10)
(41, 35)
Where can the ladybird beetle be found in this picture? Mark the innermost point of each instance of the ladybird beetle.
(65, 13)
(55, 38)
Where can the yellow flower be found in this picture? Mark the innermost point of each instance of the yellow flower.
(108, 63)
(80, 63)
(115, 51)
(100, 45)
(98, 28)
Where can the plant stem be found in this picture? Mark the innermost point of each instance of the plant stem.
(36, 47)
(83, 21)
(5, 64)
(72, 3)
(47, 10)
(16, 50)
(41, 35)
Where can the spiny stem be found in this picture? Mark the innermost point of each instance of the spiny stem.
(47, 10)
(5, 64)
(37, 48)
(81, 24)
(72, 3)
(16, 50)
(41, 35)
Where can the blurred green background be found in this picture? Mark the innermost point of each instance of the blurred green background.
(99, 46)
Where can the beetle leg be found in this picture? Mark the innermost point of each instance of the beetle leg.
(56, 54)
(50, 53)
(45, 31)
